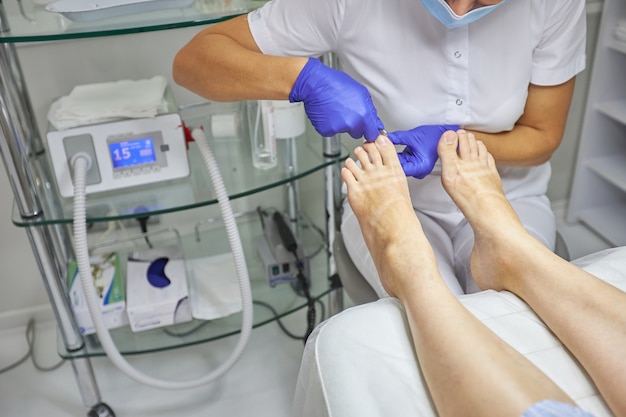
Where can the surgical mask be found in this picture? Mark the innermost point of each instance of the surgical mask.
(442, 11)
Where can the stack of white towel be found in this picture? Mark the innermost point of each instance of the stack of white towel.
(103, 102)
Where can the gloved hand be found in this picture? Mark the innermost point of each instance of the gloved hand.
(419, 157)
(335, 103)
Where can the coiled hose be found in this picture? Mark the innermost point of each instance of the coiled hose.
(81, 163)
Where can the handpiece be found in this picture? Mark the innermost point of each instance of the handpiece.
(289, 241)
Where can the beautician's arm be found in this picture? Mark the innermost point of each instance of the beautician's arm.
(223, 63)
(538, 133)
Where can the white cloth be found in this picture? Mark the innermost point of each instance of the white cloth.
(213, 287)
(419, 72)
(361, 361)
(102, 102)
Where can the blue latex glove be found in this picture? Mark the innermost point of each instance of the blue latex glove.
(419, 157)
(335, 103)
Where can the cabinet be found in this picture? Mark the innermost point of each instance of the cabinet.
(46, 217)
(598, 196)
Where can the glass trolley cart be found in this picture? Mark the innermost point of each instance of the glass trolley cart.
(46, 216)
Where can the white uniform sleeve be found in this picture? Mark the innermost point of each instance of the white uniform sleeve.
(560, 54)
(296, 27)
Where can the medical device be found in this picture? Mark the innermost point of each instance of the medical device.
(275, 250)
(123, 153)
(285, 260)
(82, 163)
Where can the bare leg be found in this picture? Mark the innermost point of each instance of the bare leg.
(586, 314)
(468, 369)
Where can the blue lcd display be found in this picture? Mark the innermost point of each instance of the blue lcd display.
(132, 153)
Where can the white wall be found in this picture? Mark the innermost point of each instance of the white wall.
(53, 68)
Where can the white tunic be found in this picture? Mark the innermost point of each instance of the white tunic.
(419, 72)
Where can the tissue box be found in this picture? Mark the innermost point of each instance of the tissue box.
(105, 270)
(156, 288)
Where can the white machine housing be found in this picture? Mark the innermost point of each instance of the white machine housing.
(124, 153)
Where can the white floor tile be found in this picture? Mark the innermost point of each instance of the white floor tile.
(261, 383)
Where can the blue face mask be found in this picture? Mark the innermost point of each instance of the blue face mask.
(442, 11)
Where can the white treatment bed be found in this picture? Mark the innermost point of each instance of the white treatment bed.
(360, 362)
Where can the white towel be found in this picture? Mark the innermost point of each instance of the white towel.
(97, 103)
(213, 287)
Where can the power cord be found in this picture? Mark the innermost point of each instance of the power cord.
(30, 339)
(260, 303)
(282, 325)
(188, 332)
(262, 213)
(143, 224)
(310, 301)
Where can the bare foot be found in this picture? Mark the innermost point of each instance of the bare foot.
(470, 177)
(379, 196)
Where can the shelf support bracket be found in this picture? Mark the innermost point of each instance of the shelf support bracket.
(20, 148)
(332, 187)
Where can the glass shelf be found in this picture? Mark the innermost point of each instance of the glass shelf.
(212, 241)
(29, 22)
(234, 161)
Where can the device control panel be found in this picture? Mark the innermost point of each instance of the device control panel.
(123, 153)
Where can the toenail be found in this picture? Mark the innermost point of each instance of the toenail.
(449, 137)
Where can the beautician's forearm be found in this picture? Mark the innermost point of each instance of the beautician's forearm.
(219, 74)
(222, 63)
(538, 132)
(523, 146)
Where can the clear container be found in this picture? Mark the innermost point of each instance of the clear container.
(262, 133)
